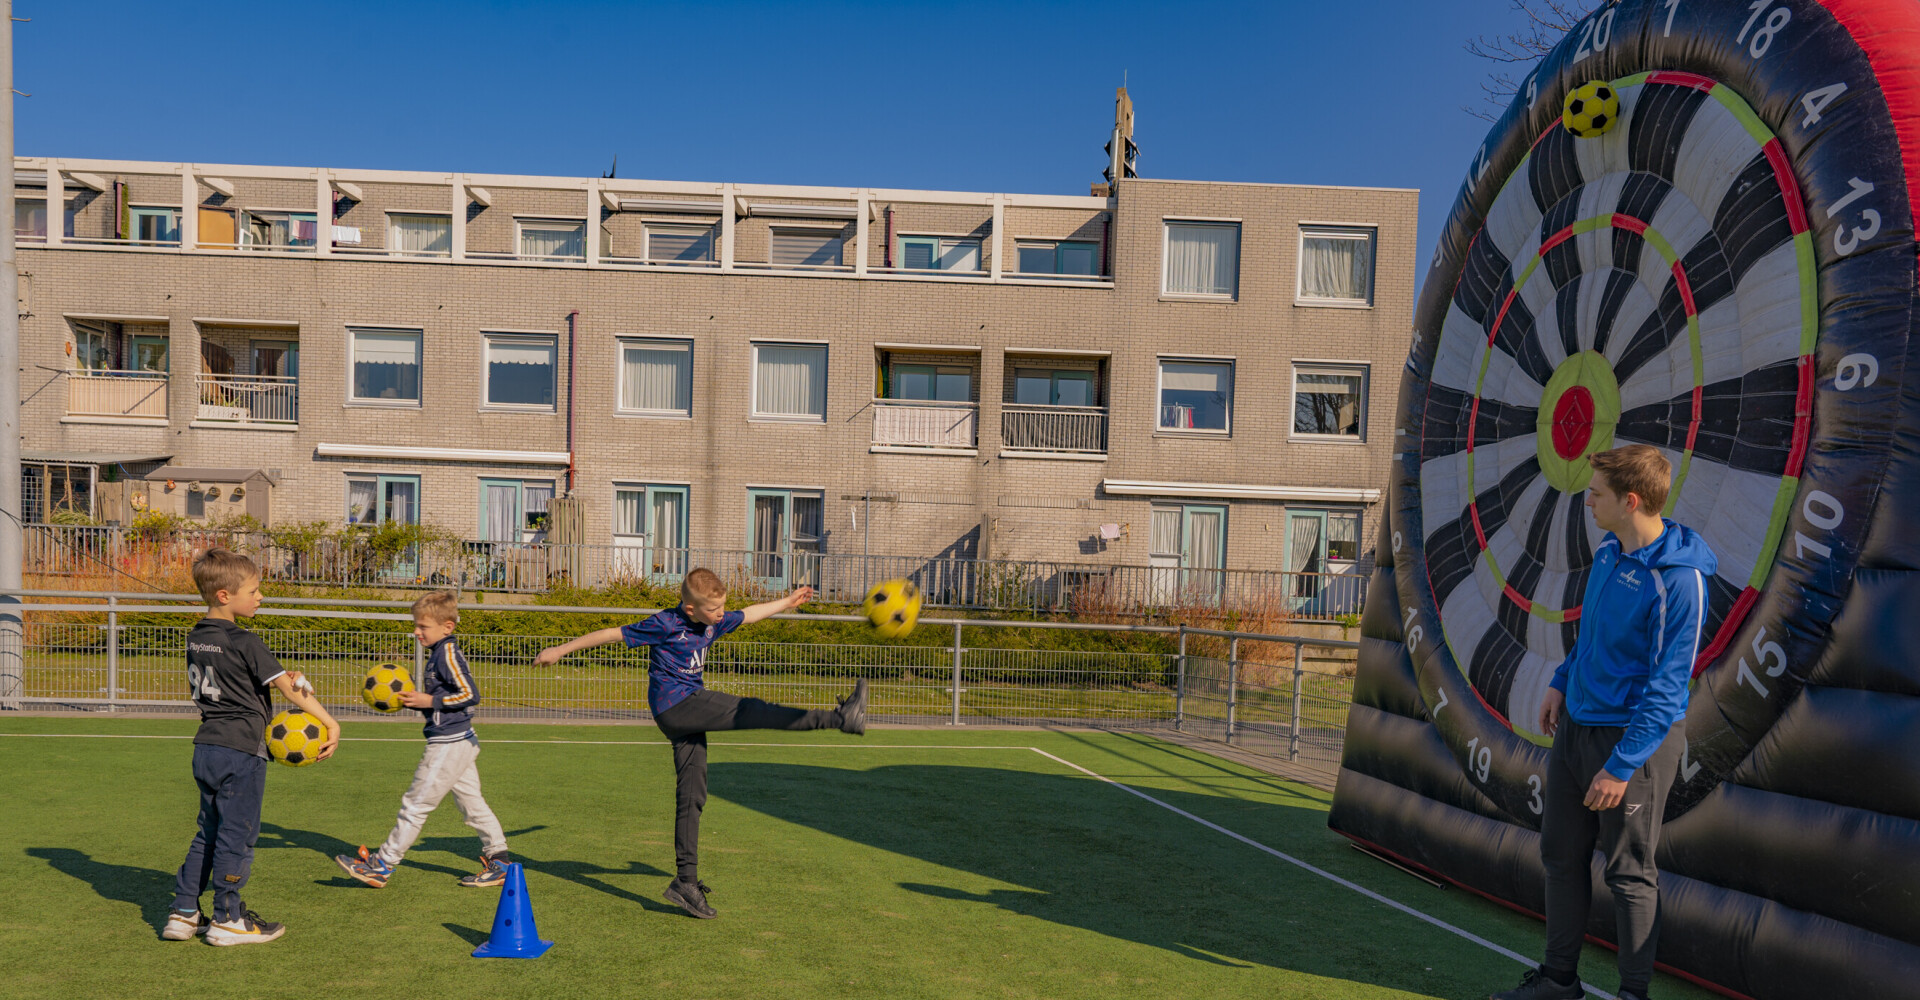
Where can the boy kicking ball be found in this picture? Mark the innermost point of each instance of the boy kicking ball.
(446, 696)
(686, 711)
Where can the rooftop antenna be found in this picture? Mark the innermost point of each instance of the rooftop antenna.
(1122, 155)
(613, 169)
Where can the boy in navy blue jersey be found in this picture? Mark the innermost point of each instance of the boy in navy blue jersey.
(686, 711)
(1614, 710)
(446, 696)
(229, 675)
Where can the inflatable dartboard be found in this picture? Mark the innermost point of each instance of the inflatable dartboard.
(1693, 229)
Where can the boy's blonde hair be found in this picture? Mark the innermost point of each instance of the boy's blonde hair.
(218, 570)
(439, 606)
(1639, 469)
(702, 584)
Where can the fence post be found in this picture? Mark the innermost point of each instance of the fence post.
(1180, 682)
(1293, 735)
(419, 662)
(113, 652)
(1233, 684)
(956, 673)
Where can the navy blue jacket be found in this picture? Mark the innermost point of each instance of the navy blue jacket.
(448, 680)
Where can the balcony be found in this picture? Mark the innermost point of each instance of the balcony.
(117, 396)
(1067, 431)
(915, 425)
(248, 401)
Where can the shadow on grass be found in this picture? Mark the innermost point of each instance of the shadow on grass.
(1080, 853)
(469, 934)
(150, 890)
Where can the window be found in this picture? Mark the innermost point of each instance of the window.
(1321, 545)
(806, 248)
(514, 510)
(1186, 553)
(553, 239)
(412, 235)
(30, 219)
(373, 499)
(1196, 395)
(1062, 257)
(650, 530)
(679, 244)
(947, 383)
(280, 229)
(386, 366)
(656, 376)
(1203, 258)
(278, 358)
(520, 370)
(1044, 387)
(939, 253)
(150, 354)
(91, 350)
(1330, 400)
(784, 530)
(151, 225)
(790, 381)
(1336, 266)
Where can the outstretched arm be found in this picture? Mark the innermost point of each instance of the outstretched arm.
(552, 654)
(755, 612)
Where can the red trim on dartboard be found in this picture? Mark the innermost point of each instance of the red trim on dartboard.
(1802, 412)
(1682, 79)
(1790, 189)
(1735, 615)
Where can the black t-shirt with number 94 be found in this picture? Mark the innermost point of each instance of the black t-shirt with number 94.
(228, 670)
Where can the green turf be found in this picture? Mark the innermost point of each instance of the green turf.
(841, 868)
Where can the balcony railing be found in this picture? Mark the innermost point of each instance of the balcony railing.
(249, 399)
(100, 393)
(1070, 429)
(912, 423)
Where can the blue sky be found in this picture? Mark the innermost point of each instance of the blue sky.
(986, 97)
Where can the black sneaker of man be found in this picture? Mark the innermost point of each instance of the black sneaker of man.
(691, 897)
(1539, 984)
(853, 710)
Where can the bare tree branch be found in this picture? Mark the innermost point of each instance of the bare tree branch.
(1547, 21)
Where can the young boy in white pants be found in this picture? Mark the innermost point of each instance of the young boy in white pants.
(446, 695)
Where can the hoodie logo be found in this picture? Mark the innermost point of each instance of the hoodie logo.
(1627, 577)
(1633, 807)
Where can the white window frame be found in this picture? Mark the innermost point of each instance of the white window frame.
(621, 344)
(420, 362)
(1160, 371)
(521, 222)
(133, 219)
(1054, 242)
(753, 383)
(544, 339)
(1313, 366)
(837, 233)
(1166, 249)
(710, 229)
(391, 242)
(943, 244)
(523, 533)
(1336, 231)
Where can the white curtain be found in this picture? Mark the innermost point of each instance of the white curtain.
(1202, 258)
(656, 375)
(960, 255)
(1336, 267)
(1164, 539)
(791, 381)
(519, 352)
(421, 234)
(501, 509)
(1303, 555)
(1204, 540)
(558, 239)
(386, 348)
(669, 519)
(360, 496)
(626, 512)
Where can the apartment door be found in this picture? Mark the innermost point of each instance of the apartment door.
(784, 530)
(375, 500)
(1323, 547)
(1186, 554)
(650, 532)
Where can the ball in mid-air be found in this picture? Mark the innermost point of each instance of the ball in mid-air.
(1591, 109)
(294, 738)
(893, 607)
(383, 687)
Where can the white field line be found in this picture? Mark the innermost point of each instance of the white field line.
(1176, 810)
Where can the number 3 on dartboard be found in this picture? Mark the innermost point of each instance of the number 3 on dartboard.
(1762, 38)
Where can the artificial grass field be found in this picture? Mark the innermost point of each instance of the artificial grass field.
(896, 866)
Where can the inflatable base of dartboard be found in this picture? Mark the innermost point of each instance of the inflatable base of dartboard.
(1727, 272)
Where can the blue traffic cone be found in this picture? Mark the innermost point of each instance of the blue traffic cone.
(513, 934)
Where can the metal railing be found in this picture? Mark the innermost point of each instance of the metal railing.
(1256, 692)
(249, 399)
(344, 559)
(1079, 429)
(912, 423)
(100, 393)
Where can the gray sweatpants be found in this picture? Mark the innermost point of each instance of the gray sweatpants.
(1625, 836)
(445, 767)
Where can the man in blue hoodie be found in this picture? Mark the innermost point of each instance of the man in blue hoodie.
(1614, 710)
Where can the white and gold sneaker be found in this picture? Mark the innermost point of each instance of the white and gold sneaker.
(248, 929)
(182, 925)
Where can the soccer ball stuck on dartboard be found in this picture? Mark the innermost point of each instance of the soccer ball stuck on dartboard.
(1590, 109)
(384, 686)
(893, 607)
(294, 738)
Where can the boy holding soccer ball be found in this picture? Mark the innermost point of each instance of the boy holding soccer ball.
(686, 711)
(446, 696)
(229, 673)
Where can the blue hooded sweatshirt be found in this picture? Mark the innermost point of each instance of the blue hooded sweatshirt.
(1641, 626)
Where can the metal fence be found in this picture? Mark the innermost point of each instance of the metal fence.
(346, 559)
(1257, 693)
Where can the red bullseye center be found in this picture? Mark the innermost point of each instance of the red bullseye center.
(1573, 422)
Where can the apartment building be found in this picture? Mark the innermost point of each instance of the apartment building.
(1178, 374)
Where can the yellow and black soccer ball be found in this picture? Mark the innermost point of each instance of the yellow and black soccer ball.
(893, 607)
(383, 687)
(294, 738)
(1591, 109)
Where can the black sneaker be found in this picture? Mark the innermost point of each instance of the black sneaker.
(691, 897)
(1537, 985)
(853, 710)
(247, 929)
